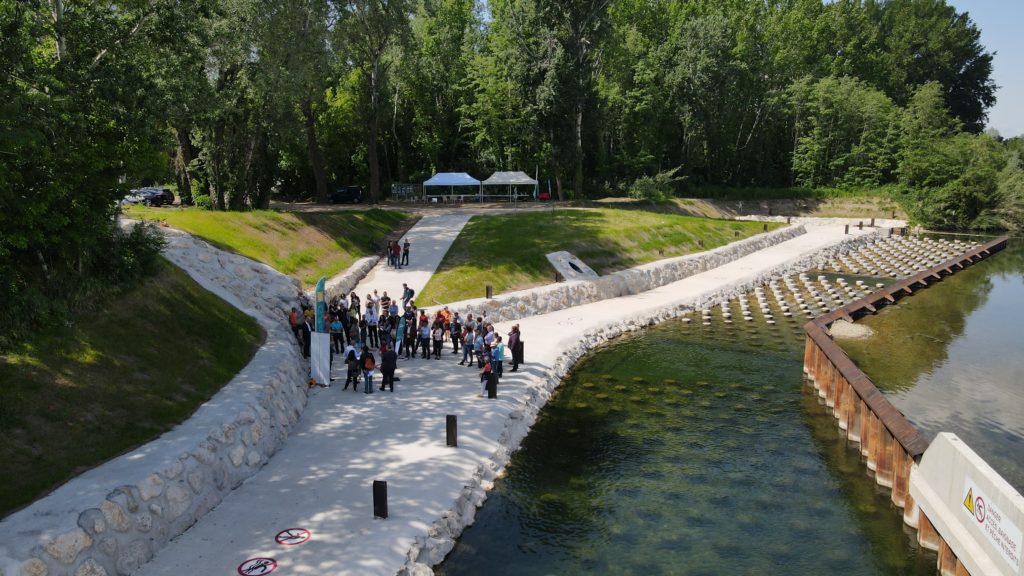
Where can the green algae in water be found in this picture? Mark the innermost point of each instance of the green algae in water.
(701, 487)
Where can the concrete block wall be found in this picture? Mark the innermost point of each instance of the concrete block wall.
(525, 303)
(113, 518)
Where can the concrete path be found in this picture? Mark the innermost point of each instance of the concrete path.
(321, 480)
(429, 241)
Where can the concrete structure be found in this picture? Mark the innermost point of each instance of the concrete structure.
(969, 513)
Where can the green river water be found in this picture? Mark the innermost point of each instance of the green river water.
(690, 449)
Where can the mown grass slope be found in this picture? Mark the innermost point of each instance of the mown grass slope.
(73, 397)
(508, 251)
(304, 245)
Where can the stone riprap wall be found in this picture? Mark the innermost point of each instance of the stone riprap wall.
(441, 536)
(343, 283)
(113, 518)
(879, 222)
(553, 297)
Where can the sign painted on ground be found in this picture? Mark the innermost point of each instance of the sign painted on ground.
(993, 523)
(293, 536)
(257, 566)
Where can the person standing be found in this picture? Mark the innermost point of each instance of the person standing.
(395, 251)
(352, 366)
(405, 253)
(478, 348)
(456, 332)
(372, 321)
(498, 352)
(425, 339)
(438, 334)
(337, 335)
(388, 365)
(407, 294)
(485, 371)
(467, 346)
(307, 336)
(368, 364)
(293, 321)
(515, 347)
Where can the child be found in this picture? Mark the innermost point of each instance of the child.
(484, 374)
(352, 363)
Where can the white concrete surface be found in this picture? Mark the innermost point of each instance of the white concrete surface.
(321, 480)
(429, 241)
(978, 513)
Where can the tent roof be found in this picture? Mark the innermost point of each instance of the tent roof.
(452, 179)
(512, 178)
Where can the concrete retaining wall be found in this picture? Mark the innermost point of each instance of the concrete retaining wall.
(969, 513)
(535, 301)
(98, 526)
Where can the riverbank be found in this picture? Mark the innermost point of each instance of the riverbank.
(321, 480)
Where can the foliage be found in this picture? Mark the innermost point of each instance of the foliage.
(119, 374)
(304, 245)
(508, 251)
(661, 186)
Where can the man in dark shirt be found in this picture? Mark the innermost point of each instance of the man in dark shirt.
(388, 365)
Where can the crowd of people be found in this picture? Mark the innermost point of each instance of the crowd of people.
(397, 329)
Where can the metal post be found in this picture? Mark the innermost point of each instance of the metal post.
(860, 225)
(765, 227)
(490, 291)
(380, 499)
(700, 243)
(872, 222)
(847, 231)
(789, 219)
(452, 429)
(492, 385)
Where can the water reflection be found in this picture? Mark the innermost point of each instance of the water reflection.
(687, 450)
(949, 358)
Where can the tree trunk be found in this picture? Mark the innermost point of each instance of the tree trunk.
(57, 13)
(183, 166)
(316, 157)
(558, 186)
(371, 153)
(577, 185)
(217, 198)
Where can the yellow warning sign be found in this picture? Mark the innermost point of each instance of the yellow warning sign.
(969, 501)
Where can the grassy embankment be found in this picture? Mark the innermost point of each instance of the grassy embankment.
(507, 251)
(304, 245)
(73, 397)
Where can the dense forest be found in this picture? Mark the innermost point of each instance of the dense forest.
(241, 101)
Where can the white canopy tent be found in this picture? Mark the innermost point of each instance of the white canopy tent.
(510, 179)
(451, 180)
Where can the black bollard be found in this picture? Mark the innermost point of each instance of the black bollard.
(860, 225)
(765, 227)
(847, 229)
(735, 233)
(489, 290)
(452, 429)
(380, 499)
(492, 385)
(872, 222)
(700, 243)
(789, 219)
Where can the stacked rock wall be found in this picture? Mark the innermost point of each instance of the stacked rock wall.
(113, 518)
(524, 303)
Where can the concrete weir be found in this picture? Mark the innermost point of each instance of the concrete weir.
(893, 448)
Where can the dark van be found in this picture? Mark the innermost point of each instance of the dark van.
(346, 195)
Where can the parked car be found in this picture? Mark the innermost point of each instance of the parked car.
(346, 194)
(150, 196)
